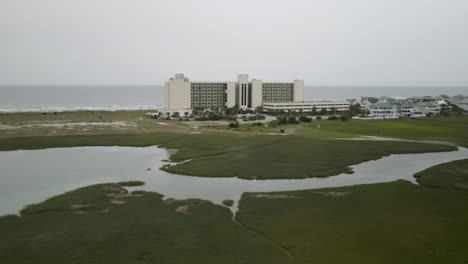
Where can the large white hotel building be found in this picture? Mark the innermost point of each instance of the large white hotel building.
(183, 95)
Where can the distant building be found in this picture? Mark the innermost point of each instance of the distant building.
(366, 102)
(407, 108)
(307, 106)
(423, 99)
(383, 111)
(184, 95)
(415, 107)
(430, 107)
(460, 101)
(462, 104)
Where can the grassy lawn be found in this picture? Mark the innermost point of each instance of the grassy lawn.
(451, 129)
(105, 224)
(75, 123)
(452, 175)
(381, 223)
(72, 116)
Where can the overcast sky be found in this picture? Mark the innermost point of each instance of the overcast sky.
(324, 42)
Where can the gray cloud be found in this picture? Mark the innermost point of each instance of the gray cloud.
(347, 42)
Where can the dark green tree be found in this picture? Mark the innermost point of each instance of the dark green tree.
(314, 111)
(259, 109)
(355, 109)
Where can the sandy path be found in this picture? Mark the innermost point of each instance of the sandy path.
(374, 138)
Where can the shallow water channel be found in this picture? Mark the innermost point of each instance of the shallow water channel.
(31, 176)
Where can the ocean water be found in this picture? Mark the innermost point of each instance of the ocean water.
(60, 98)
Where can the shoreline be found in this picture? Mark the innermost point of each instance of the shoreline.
(60, 109)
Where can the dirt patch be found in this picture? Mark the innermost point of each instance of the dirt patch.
(293, 130)
(272, 134)
(70, 125)
(461, 186)
(334, 194)
(170, 200)
(183, 209)
(123, 194)
(375, 138)
(118, 194)
(78, 206)
(275, 196)
(117, 202)
(114, 189)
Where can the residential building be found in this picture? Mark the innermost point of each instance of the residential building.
(460, 101)
(406, 108)
(424, 99)
(462, 104)
(383, 111)
(430, 107)
(367, 102)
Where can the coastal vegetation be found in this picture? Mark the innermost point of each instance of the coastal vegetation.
(249, 157)
(249, 152)
(279, 157)
(450, 129)
(105, 223)
(228, 202)
(395, 222)
(131, 183)
(452, 175)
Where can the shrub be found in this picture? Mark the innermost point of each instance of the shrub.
(305, 119)
(282, 119)
(273, 123)
(131, 183)
(228, 202)
(232, 118)
(318, 118)
(281, 130)
(256, 117)
(344, 118)
(332, 118)
(234, 125)
(292, 120)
